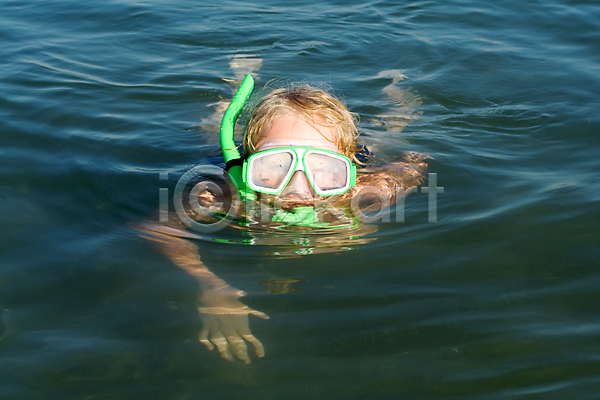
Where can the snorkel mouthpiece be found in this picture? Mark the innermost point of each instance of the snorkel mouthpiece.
(300, 216)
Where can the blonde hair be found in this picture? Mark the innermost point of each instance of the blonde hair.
(316, 105)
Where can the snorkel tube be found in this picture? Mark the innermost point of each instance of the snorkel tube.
(233, 161)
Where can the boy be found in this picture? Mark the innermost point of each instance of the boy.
(300, 148)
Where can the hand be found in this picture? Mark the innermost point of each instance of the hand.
(225, 319)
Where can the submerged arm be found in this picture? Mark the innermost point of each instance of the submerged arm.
(224, 317)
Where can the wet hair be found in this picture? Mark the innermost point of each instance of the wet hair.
(316, 105)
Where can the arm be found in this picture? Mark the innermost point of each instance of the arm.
(224, 317)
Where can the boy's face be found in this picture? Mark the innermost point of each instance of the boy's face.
(292, 130)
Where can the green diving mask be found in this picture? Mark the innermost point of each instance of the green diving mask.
(270, 171)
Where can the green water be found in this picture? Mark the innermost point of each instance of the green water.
(498, 299)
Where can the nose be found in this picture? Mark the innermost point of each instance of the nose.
(299, 187)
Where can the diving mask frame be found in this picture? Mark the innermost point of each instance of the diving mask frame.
(298, 162)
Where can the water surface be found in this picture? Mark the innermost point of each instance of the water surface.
(496, 300)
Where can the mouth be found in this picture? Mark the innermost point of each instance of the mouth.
(292, 201)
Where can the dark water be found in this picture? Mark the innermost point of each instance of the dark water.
(498, 299)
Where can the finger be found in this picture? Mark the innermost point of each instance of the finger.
(203, 338)
(208, 324)
(258, 346)
(259, 314)
(223, 347)
(232, 329)
(239, 348)
(245, 332)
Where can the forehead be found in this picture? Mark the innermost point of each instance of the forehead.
(295, 129)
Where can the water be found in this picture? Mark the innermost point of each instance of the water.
(496, 300)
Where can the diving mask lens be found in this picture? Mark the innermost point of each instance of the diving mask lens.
(270, 171)
(327, 173)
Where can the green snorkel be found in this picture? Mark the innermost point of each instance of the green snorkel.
(233, 161)
(300, 216)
